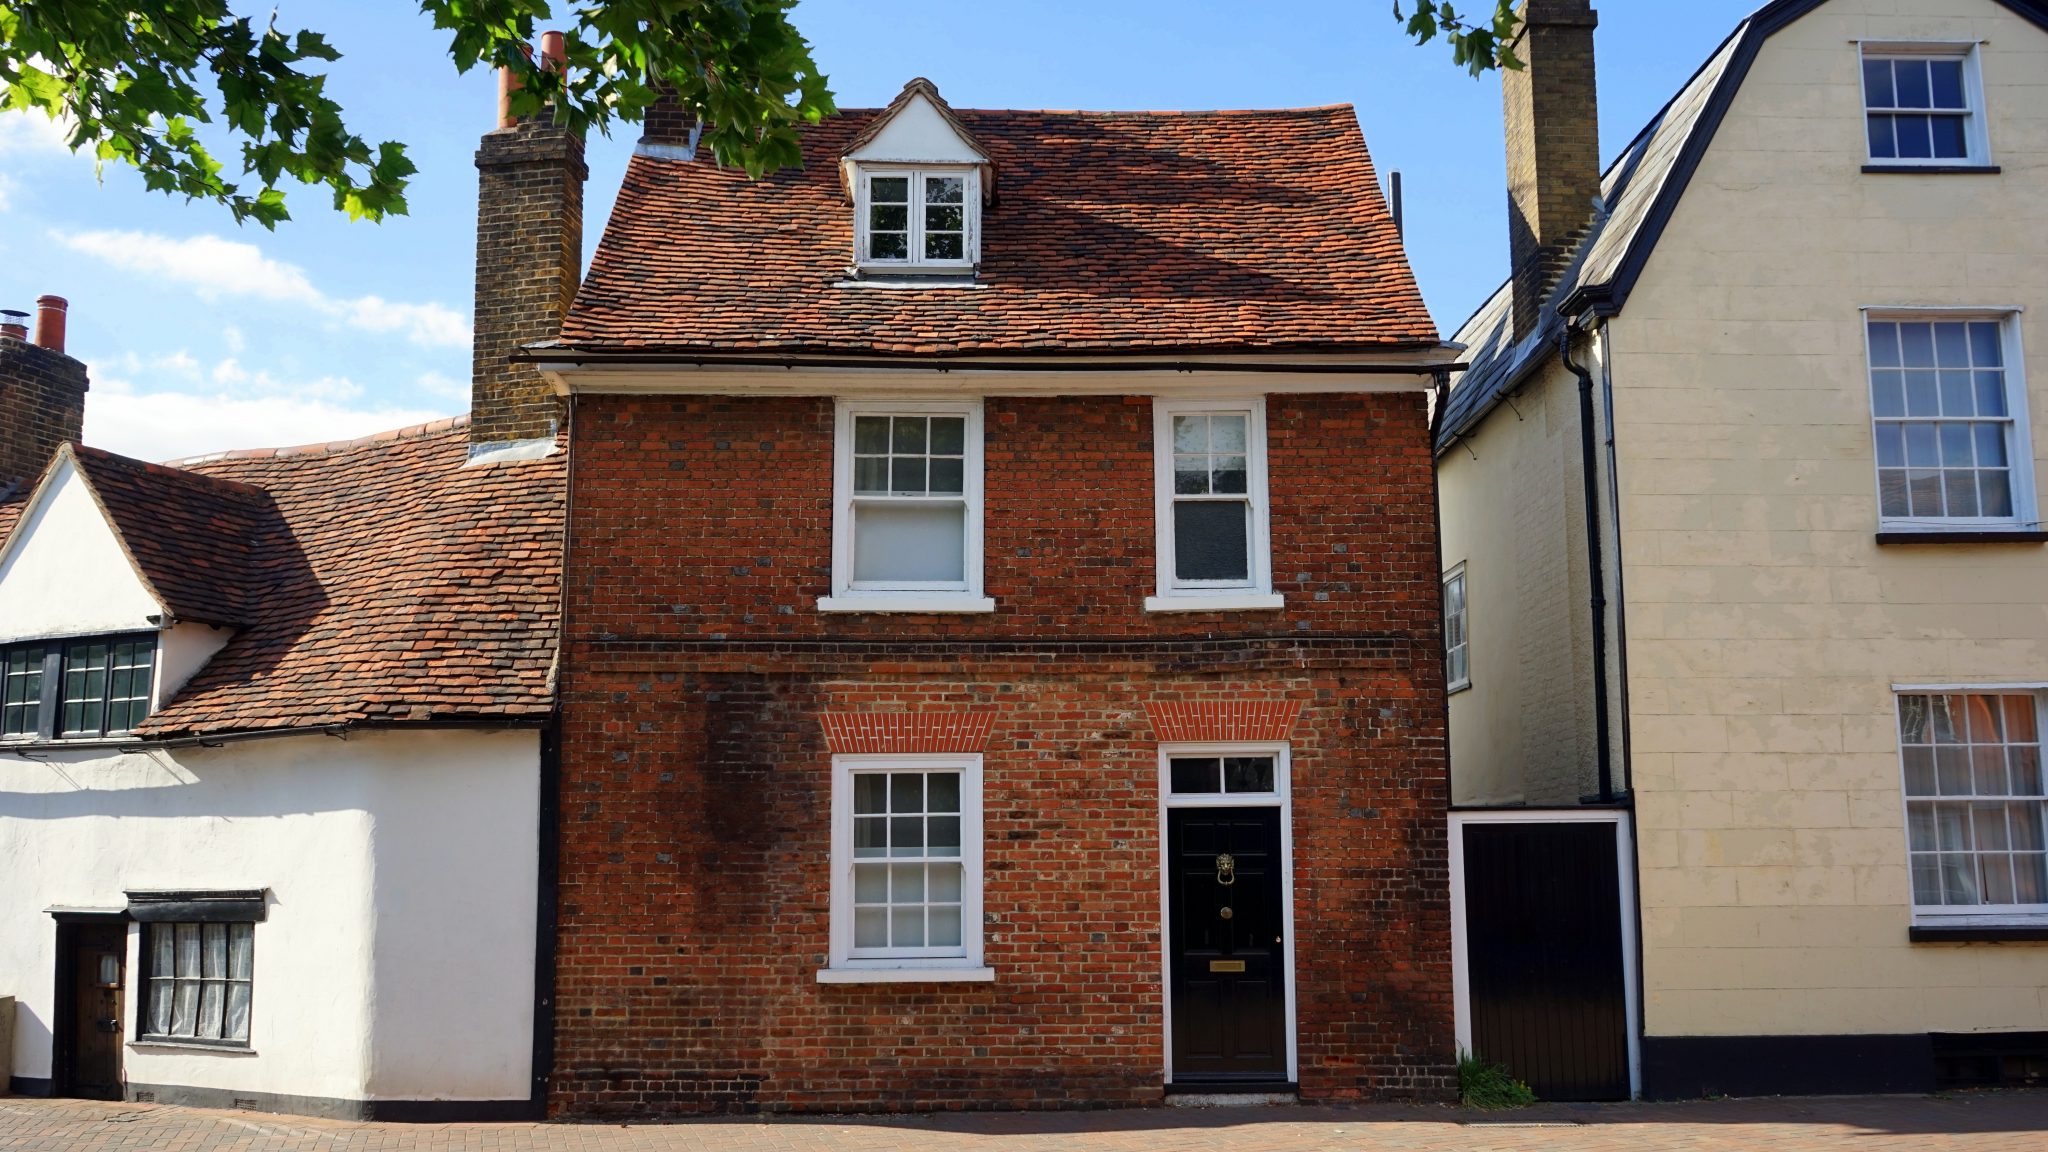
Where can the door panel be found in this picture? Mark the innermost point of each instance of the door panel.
(94, 960)
(1226, 954)
(1543, 950)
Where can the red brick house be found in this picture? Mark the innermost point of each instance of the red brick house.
(1002, 657)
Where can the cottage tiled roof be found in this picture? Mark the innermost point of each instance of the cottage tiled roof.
(393, 584)
(1111, 232)
(193, 539)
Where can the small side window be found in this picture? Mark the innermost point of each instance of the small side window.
(200, 982)
(1457, 650)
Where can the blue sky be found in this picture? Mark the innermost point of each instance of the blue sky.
(203, 337)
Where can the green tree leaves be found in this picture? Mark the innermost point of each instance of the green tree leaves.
(133, 83)
(1476, 47)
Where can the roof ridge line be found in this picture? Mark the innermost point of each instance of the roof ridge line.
(167, 468)
(409, 432)
(1300, 109)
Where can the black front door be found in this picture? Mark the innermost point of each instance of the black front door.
(1226, 917)
(1543, 948)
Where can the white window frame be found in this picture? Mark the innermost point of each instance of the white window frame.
(970, 218)
(1976, 134)
(849, 595)
(1281, 797)
(1457, 574)
(1963, 915)
(843, 967)
(2019, 442)
(1173, 594)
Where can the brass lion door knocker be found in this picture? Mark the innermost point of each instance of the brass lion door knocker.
(1226, 875)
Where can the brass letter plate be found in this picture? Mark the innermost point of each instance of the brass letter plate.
(1226, 965)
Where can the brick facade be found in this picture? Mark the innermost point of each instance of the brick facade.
(696, 774)
(42, 408)
(529, 259)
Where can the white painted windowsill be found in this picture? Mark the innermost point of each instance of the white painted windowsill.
(906, 975)
(876, 602)
(151, 1043)
(1217, 602)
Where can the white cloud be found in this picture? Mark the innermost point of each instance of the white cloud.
(232, 337)
(215, 267)
(7, 186)
(30, 133)
(230, 373)
(171, 425)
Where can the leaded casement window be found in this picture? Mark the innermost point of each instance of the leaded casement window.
(911, 219)
(907, 508)
(1949, 413)
(199, 981)
(1975, 805)
(1923, 104)
(1211, 505)
(76, 689)
(1457, 652)
(906, 862)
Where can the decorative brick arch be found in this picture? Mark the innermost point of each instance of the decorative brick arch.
(1218, 721)
(852, 732)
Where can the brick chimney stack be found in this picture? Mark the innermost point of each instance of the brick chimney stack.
(42, 393)
(529, 260)
(1553, 139)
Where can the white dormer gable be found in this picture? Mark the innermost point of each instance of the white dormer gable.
(918, 133)
(64, 572)
(918, 180)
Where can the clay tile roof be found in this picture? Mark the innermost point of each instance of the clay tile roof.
(1113, 231)
(376, 580)
(397, 585)
(192, 538)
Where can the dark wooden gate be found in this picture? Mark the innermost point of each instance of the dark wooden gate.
(1543, 948)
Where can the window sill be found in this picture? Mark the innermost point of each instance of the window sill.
(1964, 536)
(857, 602)
(1217, 602)
(1460, 686)
(1978, 933)
(982, 975)
(1932, 169)
(148, 1044)
(37, 743)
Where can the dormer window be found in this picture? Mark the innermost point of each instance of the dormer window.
(76, 689)
(918, 218)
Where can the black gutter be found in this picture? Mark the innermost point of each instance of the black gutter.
(682, 359)
(1589, 463)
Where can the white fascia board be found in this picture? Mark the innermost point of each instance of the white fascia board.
(956, 380)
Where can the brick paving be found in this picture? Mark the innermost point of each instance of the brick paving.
(1977, 1122)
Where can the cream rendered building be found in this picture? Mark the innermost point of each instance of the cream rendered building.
(1810, 305)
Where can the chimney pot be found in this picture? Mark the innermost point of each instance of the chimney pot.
(554, 50)
(50, 314)
(14, 322)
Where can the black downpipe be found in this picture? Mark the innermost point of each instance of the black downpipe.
(1589, 463)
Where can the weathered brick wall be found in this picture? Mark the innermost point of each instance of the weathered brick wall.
(696, 780)
(529, 260)
(42, 407)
